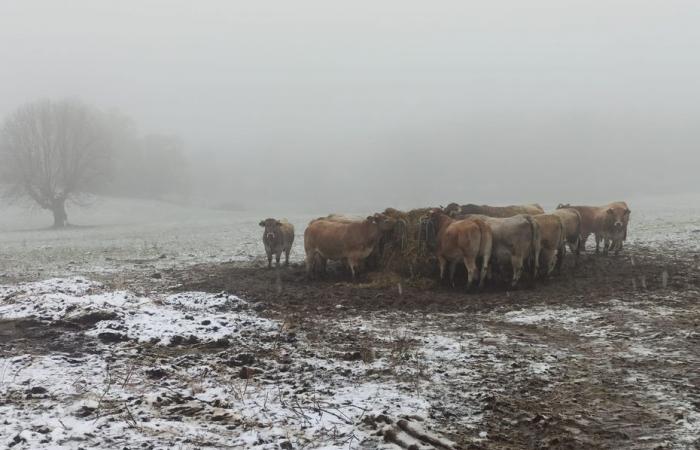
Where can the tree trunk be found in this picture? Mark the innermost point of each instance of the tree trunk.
(60, 218)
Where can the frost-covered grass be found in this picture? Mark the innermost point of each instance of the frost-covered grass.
(119, 234)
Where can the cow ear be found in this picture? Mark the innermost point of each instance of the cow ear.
(560, 206)
(610, 211)
(627, 211)
(262, 223)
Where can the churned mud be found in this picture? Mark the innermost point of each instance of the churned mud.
(233, 355)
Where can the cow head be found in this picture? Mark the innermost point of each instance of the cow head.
(384, 222)
(272, 228)
(618, 217)
(451, 209)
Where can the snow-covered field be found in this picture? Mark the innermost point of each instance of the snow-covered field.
(93, 356)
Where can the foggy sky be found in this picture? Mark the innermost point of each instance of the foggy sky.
(324, 105)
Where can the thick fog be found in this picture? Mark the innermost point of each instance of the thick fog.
(355, 106)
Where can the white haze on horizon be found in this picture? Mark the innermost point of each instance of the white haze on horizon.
(322, 105)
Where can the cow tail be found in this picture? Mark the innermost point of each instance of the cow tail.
(562, 244)
(578, 232)
(486, 244)
(534, 245)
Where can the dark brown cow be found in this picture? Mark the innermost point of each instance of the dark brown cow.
(353, 241)
(278, 237)
(608, 223)
(552, 241)
(462, 240)
(493, 211)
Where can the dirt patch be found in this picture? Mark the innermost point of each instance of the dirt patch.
(597, 389)
(603, 356)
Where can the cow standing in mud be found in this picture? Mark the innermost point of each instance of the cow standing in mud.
(607, 223)
(348, 240)
(278, 237)
(552, 241)
(516, 240)
(572, 226)
(462, 240)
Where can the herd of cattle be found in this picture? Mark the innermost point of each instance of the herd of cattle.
(508, 238)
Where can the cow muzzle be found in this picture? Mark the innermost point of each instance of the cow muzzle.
(618, 225)
(271, 236)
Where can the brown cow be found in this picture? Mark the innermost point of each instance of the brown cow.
(354, 241)
(608, 223)
(462, 240)
(278, 237)
(516, 240)
(494, 211)
(552, 241)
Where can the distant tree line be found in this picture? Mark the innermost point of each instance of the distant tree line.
(59, 152)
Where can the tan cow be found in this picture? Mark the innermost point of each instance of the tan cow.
(353, 241)
(608, 223)
(572, 224)
(341, 218)
(278, 237)
(462, 240)
(494, 211)
(552, 241)
(516, 240)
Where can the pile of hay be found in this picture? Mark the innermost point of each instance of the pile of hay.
(405, 250)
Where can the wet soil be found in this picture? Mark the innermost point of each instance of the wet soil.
(625, 377)
(597, 393)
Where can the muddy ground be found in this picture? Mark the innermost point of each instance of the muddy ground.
(600, 390)
(605, 355)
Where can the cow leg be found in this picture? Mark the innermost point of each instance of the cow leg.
(545, 260)
(552, 262)
(442, 262)
(472, 270)
(353, 264)
(485, 272)
(453, 266)
(277, 259)
(310, 265)
(322, 265)
(517, 264)
(269, 260)
(560, 258)
(598, 238)
(582, 242)
(286, 257)
(617, 247)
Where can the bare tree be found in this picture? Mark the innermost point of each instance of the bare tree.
(53, 152)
